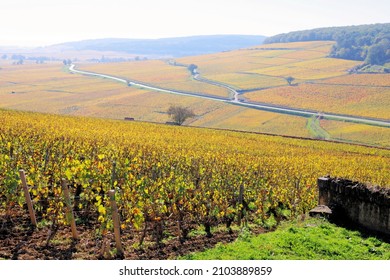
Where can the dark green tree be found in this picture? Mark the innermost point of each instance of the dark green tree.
(378, 54)
(289, 80)
(361, 42)
(192, 68)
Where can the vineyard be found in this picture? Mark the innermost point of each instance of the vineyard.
(261, 73)
(271, 64)
(169, 181)
(377, 80)
(356, 132)
(231, 117)
(258, 73)
(158, 73)
(49, 88)
(344, 99)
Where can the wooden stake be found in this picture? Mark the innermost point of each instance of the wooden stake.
(240, 202)
(115, 218)
(69, 212)
(28, 198)
(113, 174)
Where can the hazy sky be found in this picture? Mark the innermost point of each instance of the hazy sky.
(43, 22)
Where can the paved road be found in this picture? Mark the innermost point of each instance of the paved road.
(236, 101)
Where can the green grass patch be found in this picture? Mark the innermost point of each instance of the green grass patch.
(313, 239)
(315, 129)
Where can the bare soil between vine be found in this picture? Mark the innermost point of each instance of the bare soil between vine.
(19, 241)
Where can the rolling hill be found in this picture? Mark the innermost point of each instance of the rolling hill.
(166, 47)
(369, 43)
(173, 186)
(258, 74)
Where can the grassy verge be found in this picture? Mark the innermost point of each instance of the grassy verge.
(315, 129)
(313, 239)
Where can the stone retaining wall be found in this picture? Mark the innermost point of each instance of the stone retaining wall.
(367, 207)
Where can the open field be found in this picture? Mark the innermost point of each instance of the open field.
(318, 80)
(50, 88)
(304, 61)
(246, 80)
(342, 99)
(379, 136)
(240, 118)
(320, 84)
(369, 80)
(156, 72)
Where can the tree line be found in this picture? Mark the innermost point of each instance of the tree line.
(369, 43)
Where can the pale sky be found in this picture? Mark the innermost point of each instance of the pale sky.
(45, 22)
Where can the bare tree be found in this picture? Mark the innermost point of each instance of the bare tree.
(179, 114)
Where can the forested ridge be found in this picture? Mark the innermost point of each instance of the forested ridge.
(368, 43)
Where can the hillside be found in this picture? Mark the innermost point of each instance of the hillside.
(167, 47)
(258, 74)
(174, 185)
(319, 83)
(368, 43)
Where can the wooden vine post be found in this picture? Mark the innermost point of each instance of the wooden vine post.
(240, 203)
(69, 211)
(113, 174)
(115, 218)
(28, 198)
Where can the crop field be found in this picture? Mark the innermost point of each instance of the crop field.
(274, 60)
(310, 69)
(354, 100)
(169, 180)
(319, 83)
(227, 63)
(245, 80)
(156, 72)
(318, 80)
(369, 80)
(48, 88)
(379, 136)
(239, 118)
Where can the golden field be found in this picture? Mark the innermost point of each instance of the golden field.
(163, 173)
(50, 88)
(304, 61)
(318, 79)
(353, 132)
(342, 99)
(156, 72)
(320, 83)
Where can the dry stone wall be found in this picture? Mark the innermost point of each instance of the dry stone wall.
(367, 207)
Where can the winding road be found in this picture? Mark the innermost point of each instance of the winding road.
(236, 101)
